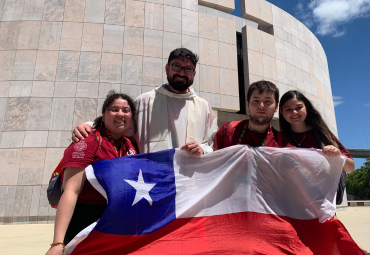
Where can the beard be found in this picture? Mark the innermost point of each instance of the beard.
(260, 122)
(180, 86)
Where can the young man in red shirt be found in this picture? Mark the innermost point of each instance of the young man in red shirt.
(262, 103)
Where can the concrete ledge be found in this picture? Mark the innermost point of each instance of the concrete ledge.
(27, 220)
(342, 208)
(359, 203)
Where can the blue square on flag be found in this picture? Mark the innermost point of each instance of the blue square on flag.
(145, 186)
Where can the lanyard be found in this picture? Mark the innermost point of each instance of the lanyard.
(245, 129)
(110, 138)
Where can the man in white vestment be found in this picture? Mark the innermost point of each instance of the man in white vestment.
(172, 115)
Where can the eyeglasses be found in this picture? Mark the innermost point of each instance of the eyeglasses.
(177, 68)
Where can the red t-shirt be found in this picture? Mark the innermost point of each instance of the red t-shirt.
(84, 153)
(250, 138)
(308, 141)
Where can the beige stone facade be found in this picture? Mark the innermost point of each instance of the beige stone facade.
(59, 59)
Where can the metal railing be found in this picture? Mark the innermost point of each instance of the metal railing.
(359, 153)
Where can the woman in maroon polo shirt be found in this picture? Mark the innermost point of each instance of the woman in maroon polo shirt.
(305, 128)
(80, 204)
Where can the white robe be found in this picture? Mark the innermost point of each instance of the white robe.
(167, 120)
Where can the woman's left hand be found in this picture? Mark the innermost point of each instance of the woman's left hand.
(331, 151)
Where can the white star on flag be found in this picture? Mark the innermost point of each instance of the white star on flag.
(142, 189)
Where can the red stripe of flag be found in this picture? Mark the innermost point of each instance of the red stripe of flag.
(237, 233)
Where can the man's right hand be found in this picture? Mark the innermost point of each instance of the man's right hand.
(80, 132)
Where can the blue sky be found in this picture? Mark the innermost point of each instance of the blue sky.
(343, 28)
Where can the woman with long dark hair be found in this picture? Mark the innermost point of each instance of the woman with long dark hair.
(304, 126)
(80, 204)
(301, 122)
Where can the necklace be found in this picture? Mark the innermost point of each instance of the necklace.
(123, 143)
(299, 143)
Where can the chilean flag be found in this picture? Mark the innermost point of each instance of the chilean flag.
(239, 200)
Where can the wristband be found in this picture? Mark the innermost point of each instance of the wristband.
(59, 243)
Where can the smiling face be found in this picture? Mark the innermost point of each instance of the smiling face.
(294, 112)
(261, 107)
(118, 118)
(180, 81)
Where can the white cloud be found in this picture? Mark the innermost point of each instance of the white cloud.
(367, 104)
(337, 100)
(331, 15)
(303, 14)
(336, 103)
(339, 33)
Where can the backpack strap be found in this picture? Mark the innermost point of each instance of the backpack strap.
(231, 125)
(98, 138)
(227, 129)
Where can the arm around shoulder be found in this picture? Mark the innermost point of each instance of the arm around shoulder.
(82, 131)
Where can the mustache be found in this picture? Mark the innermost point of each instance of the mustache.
(180, 76)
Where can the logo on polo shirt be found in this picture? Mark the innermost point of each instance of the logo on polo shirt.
(131, 152)
(79, 148)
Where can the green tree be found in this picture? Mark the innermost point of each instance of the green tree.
(357, 182)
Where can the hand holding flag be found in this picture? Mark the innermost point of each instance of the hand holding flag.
(239, 200)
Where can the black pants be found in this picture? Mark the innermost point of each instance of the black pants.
(83, 216)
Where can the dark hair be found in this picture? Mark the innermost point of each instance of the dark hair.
(111, 97)
(320, 130)
(262, 86)
(183, 53)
